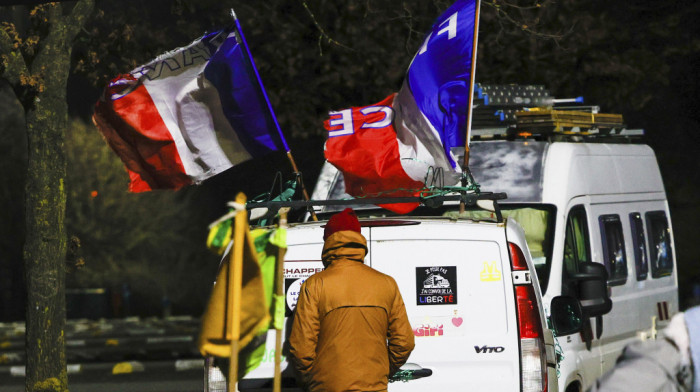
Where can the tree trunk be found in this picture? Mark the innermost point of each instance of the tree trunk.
(45, 243)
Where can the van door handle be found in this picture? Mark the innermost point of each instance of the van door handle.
(410, 371)
(422, 372)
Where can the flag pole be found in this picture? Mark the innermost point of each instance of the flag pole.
(301, 181)
(272, 112)
(465, 167)
(235, 277)
(279, 293)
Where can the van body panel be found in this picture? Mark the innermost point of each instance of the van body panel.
(469, 341)
(635, 311)
(607, 180)
(471, 344)
(578, 169)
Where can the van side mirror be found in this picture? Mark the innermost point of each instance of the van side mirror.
(566, 315)
(593, 294)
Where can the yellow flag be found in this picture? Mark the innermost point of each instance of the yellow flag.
(215, 332)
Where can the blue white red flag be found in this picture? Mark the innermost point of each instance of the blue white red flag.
(189, 114)
(391, 148)
(439, 80)
(362, 143)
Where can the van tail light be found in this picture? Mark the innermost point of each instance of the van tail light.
(517, 258)
(532, 350)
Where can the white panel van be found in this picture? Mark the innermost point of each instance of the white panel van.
(582, 203)
(608, 206)
(471, 296)
(592, 223)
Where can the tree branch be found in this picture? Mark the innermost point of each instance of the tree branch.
(62, 32)
(502, 11)
(322, 32)
(78, 16)
(14, 68)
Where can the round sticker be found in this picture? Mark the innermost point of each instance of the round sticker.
(293, 293)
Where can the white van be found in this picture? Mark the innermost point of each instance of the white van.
(595, 227)
(470, 294)
(607, 205)
(582, 203)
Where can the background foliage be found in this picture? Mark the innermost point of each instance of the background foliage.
(636, 58)
(151, 242)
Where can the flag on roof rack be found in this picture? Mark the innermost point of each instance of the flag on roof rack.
(434, 100)
(390, 149)
(189, 114)
(363, 144)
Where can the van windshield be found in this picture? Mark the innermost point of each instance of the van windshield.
(537, 221)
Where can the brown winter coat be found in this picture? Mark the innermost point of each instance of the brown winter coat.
(350, 328)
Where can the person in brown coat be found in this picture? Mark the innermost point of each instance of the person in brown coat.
(350, 329)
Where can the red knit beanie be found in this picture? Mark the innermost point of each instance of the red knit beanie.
(345, 220)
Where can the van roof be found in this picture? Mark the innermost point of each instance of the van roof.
(524, 170)
(382, 221)
(527, 171)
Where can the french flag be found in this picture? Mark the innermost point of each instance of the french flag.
(189, 114)
(390, 149)
(362, 143)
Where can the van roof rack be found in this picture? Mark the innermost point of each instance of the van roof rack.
(554, 133)
(512, 111)
(433, 201)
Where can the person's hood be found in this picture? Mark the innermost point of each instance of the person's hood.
(346, 244)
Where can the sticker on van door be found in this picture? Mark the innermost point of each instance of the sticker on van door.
(436, 285)
(437, 326)
(296, 273)
(490, 273)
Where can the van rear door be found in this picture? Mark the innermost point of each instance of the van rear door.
(460, 302)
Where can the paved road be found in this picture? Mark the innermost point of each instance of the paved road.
(120, 355)
(160, 379)
(112, 340)
(129, 354)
